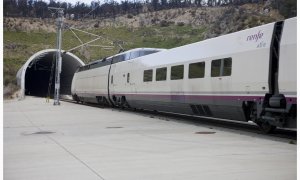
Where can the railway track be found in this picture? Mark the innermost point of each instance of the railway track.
(243, 128)
(289, 135)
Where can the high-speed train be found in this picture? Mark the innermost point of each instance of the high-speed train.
(250, 75)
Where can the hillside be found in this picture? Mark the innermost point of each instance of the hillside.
(162, 29)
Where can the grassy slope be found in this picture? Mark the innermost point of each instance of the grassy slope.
(19, 46)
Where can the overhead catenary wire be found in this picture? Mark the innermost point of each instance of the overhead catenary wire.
(72, 29)
(55, 8)
(110, 41)
(76, 36)
(95, 35)
(104, 47)
(83, 44)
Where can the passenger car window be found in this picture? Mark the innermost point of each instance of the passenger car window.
(221, 67)
(177, 72)
(227, 67)
(161, 74)
(215, 68)
(196, 70)
(148, 75)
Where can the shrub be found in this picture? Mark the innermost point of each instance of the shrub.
(193, 13)
(129, 16)
(164, 23)
(96, 25)
(180, 24)
(154, 20)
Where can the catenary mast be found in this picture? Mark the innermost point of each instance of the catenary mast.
(58, 68)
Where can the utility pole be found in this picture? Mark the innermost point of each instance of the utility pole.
(58, 68)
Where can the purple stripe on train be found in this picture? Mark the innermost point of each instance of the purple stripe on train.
(290, 100)
(181, 97)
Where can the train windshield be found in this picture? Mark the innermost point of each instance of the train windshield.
(139, 53)
(146, 52)
(135, 53)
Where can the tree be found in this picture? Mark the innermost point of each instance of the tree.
(40, 8)
(9, 7)
(155, 4)
(288, 8)
(198, 3)
(22, 7)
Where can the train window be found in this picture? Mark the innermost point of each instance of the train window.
(146, 52)
(112, 80)
(108, 59)
(150, 52)
(141, 53)
(161, 74)
(215, 68)
(148, 75)
(128, 77)
(227, 67)
(177, 72)
(119, 58)
(221, 67)
(134, 54)
(127, 56)
(196, 70)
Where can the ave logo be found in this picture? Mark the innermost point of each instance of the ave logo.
(256, 37)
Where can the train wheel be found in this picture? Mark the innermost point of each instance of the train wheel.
(266, 127)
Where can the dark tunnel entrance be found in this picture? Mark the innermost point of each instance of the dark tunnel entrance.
(39, 77)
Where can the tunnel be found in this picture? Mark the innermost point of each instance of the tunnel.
(37, 76)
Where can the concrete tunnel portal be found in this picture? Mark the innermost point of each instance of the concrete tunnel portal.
(34, 76)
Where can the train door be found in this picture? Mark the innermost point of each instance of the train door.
(221, 78)
(130, 82)
(112, 84)
(120, 84)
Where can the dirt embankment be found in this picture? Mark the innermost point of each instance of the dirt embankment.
(228, 18)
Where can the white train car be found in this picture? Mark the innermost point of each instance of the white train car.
(244, 56)
(247, 75)
(91, 85)
(287, 61)
(90, 82)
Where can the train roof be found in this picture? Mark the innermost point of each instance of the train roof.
(123, 56)
(138, 49)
